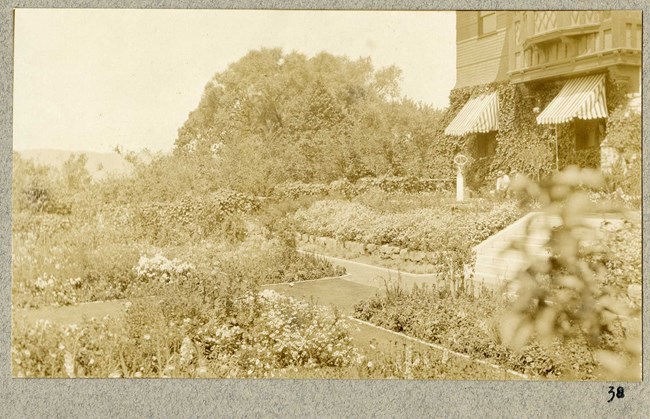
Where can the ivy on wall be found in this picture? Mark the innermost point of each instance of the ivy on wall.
(522, 145)
(625, 137)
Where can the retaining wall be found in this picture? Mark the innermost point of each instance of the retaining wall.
(370, 249)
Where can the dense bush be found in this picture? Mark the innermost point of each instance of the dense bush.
(408, 184)
(621, 256)
(190, 217)
(41, 189)
(347, 189)
(299, 189)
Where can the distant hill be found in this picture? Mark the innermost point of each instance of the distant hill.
(99, 165)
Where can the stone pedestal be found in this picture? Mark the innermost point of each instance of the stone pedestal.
(460, 186)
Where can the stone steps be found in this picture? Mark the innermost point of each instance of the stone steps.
(496, 262)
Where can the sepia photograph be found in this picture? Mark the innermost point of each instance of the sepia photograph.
(327, 194)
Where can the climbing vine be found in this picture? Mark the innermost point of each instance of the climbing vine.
(522, 145)
(624, 137)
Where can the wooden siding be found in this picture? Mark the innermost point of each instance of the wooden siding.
(467, 23)
(482, 59)
(503, 19)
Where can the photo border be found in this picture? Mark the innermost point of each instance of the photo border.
(294, 398)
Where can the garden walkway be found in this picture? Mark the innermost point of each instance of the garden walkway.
(340, 293)
(378, 276)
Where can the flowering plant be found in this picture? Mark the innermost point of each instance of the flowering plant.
(160, 267)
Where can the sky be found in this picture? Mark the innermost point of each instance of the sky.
(89, 80)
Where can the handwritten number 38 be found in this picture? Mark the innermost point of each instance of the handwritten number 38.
(620, 393)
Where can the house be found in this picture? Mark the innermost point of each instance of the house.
(537, 90)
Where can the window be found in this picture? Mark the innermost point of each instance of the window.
(518, 32)
(552, 53)
(628, 35)
(589, 133)
(607, 39)
(487, 23)
(582, 45)
(486, 144)
(561, 51)
(587, 44)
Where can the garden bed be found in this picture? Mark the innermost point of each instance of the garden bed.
(440, 230)
(470, 326)
(262, 335)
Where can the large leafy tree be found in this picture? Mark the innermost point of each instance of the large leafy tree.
(272, 117)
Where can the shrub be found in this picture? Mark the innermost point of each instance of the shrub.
(622, 256)
(188, 217)
(299, 189)
(405, 184)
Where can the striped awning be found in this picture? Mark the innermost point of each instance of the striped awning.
(582, 97)
(480, 114)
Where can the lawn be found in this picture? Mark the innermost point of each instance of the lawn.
(336, 292)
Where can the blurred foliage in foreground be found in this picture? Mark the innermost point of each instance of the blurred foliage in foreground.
(566, 295)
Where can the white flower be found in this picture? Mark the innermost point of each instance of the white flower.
(68, 364)
(146, 337)
(40, 283)
(187, 351)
